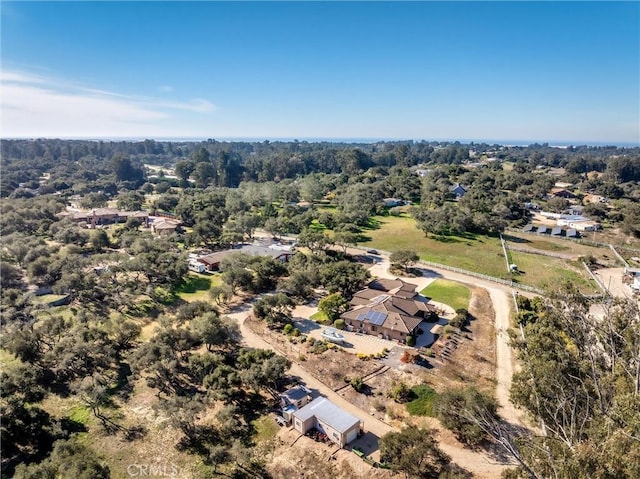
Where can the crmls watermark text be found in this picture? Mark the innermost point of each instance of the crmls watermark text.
(153, 470)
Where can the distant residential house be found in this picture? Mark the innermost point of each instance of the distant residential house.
(574, 210)
(143, 216)
(339, 426)
(556, 231)
(104, 216)
(278, 252)
(579, 223)
(390, 309)
(165, 226)
(529, 228)
(557, 192)
(458, 190)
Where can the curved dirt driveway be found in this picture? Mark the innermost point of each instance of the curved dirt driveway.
(480, 464)
(501, 300)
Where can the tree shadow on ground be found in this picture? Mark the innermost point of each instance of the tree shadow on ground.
(368, 443)
(191, 284)
(515, 239)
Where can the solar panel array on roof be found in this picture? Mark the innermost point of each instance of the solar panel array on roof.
(375, 318)
(379, 299)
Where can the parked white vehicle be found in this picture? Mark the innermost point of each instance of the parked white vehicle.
(332, 334)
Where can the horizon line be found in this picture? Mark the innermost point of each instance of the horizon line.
(335, 139)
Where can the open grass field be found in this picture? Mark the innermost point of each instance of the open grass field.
(196, 286)
(483, 254)
(448, 292)
(554, 245)
(546, 272)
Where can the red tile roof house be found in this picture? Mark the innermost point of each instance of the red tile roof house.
(390, 309)
(165, 226)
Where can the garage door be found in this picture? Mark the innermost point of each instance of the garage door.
(352, 435)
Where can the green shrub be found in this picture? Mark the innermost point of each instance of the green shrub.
(287, 328)
(339, 324)
(411, 340)
(318, 347)
(400, 392)
(357, 383)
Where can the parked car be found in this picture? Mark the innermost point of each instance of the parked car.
(372, 251)
(332, 334)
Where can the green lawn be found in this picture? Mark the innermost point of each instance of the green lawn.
(196, 286)
(320, 317)
(422, 405)
(448, 292)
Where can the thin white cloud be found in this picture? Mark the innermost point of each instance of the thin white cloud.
(39, 107)
(165, 88)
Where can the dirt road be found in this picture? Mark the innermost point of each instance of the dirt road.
(252, 340)
(501, 299)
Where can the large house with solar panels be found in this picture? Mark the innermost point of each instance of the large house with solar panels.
(390, 309)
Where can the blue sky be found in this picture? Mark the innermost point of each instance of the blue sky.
(539, 71)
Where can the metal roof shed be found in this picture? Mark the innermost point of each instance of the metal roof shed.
(340, 426)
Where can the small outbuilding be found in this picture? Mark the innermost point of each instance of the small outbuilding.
(339, 426)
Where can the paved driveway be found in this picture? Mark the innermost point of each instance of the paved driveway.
(354, 342)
